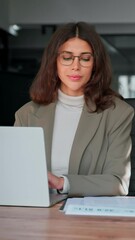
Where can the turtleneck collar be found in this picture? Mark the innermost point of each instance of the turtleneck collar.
(76, 101)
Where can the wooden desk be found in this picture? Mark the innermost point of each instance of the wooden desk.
(19, 223)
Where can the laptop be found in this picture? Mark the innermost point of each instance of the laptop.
(23, 168)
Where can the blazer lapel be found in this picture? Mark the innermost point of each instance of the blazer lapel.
(87, 127)
(88, 124)
(44, 118)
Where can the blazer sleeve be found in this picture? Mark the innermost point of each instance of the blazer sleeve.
(111, 175)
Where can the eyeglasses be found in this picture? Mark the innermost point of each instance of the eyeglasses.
(67, 58)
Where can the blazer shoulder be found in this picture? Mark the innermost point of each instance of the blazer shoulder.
(122, 105)
(121, 112)
(23, 114)
(28, 107)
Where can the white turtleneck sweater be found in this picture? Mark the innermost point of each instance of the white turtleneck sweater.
(67, 116)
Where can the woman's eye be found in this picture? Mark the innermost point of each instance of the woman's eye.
(65, 57)
(85, 59)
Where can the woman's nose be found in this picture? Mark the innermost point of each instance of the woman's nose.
(76, 63)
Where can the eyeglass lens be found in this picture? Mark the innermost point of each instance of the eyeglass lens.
(67, 58)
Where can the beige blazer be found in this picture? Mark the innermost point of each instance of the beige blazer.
(100, 155)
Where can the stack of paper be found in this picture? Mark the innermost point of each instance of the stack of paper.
(101, 206)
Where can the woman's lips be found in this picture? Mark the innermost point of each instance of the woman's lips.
(74, 77)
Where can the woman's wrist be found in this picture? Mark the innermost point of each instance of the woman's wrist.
(66, 186)
(61, 184)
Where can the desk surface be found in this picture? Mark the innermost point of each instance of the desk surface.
(20, 223)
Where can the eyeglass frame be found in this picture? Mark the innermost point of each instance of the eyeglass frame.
(73, 57)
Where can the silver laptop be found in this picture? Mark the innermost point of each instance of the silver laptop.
(23, 168)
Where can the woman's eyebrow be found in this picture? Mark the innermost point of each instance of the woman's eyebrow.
(73, 53)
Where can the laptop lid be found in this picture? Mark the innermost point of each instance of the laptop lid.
(23, 168)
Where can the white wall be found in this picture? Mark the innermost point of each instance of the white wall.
(109, 16)
(60, 11)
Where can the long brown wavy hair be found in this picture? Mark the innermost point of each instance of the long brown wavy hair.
(44, 88)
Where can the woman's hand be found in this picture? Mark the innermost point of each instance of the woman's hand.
(55, 182)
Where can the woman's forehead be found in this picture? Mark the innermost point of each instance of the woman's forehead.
(76, 45)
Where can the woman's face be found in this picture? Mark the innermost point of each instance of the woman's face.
(74, 72)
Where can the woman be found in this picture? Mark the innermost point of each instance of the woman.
(86, 124)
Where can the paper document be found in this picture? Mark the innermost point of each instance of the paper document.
(101, 206)
(74, 202)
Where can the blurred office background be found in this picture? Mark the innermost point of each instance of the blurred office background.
(26, 27)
